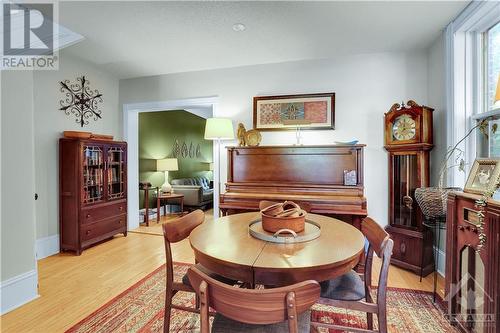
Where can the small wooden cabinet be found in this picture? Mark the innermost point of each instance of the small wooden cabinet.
(472, 277)
(408, 140)
(92, 192)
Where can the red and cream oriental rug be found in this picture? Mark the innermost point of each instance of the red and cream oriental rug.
(140, 309)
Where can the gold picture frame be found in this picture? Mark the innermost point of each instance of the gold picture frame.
(485, 174)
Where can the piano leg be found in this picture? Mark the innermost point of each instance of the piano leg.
(356, 221)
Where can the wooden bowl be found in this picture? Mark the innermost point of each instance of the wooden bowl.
(77, 135)
(273, 210)
(275, 223)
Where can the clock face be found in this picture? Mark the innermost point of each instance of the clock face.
(404, 128)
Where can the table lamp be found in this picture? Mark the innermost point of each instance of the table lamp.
(166, 165)
(218, 129)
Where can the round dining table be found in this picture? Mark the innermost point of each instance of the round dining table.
(226, 247)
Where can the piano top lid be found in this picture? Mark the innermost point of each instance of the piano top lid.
(359, 145)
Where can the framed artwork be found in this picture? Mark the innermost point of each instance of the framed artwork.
(287, 112)
(494, 138)
(350, 178)
(485, 174)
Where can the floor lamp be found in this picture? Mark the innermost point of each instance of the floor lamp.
(219, 129)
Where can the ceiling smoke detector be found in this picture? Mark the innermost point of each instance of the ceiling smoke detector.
(239, 27)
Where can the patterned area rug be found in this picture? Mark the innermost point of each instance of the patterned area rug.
(140, 309)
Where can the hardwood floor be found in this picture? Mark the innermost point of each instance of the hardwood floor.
(72, 287)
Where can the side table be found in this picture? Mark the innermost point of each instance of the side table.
(166, 197)
(146, 202)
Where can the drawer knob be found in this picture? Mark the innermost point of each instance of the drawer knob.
(119, 221)
(88, 215)
(88, 232)
(121, 208)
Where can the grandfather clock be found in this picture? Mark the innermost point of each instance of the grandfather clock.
(408, 139)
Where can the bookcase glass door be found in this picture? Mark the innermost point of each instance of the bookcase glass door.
(93, 174)
(405, 183)
(116, 173)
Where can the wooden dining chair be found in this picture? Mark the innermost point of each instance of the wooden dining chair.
(265, 203)
(352, 291)
(285, 309)
(173, 232)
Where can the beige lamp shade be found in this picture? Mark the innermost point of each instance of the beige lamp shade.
(497, 95)
(167, 164)
(219, 129)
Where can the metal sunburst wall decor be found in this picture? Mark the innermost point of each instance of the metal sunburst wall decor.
(80, 100)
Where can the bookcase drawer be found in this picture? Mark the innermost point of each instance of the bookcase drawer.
(103, 227)
(94, 214)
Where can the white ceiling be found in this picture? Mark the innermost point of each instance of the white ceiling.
(132, 39)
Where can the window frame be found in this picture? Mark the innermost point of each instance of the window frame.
(464, 66)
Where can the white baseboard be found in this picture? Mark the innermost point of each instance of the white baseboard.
(18, 291)
(47, 246)
(438, 253)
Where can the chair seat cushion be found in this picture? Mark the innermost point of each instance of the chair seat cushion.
(220, 278)
(348, 287)
(223, 324)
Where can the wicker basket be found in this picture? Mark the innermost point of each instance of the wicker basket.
(432, 200)
(286, 215)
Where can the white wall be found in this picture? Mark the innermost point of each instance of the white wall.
(365, 85)
(436, 93)
(18, 267)
(50, 122)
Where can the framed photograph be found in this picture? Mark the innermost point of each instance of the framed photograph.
(484, 175)
(494, 138)
(350, 178)
(287, 112)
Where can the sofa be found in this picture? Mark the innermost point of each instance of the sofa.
(198, 191)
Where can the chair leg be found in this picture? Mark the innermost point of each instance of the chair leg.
(382, 321)
(369, 320)
(197, 301)
(168, 310)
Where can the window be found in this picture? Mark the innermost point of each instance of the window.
(473, 63)
(492, 63)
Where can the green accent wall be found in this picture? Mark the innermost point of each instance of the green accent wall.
(157, 134)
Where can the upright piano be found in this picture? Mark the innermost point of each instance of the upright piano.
(303, 174)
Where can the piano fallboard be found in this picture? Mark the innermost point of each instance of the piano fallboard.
(311, 174)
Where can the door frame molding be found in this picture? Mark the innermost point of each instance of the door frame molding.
(199, 106)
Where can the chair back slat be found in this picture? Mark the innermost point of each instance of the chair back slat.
(180, 228)
(375, 234)
(255, 306)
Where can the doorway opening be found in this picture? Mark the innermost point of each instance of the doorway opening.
(193, 155)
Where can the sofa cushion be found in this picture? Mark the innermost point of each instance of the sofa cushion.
(208, 195)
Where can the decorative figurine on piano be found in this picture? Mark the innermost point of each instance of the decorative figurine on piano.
(241, 135)
(251, 138)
